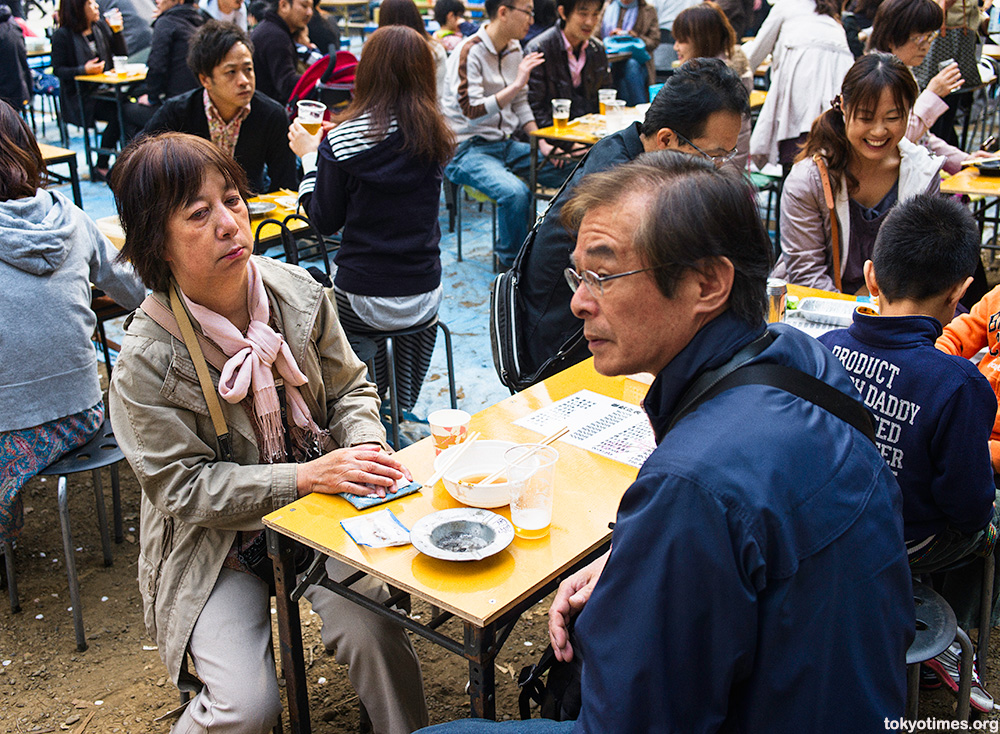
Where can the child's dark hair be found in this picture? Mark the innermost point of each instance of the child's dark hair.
(925, 246)
(443, 7)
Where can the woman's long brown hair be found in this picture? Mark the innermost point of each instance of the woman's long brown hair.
(862, 88)
(706, 28)
(21, 163)
(395, 79)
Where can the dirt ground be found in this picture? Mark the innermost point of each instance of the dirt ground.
(119, 684)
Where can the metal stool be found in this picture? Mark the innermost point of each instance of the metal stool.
(389, 336)
(936, 630)
(100, 451)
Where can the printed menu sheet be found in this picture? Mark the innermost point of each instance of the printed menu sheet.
(597, 423)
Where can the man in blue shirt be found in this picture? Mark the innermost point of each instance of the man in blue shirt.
(757, 579)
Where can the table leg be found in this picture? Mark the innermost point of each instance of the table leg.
(480, 649)
(74, 180)
(533, 183)
(119, 103)
(86, 130)
(293, 664)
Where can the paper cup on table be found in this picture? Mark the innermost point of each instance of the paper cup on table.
(530, 474)
(604, 96)
(448, 427)
(310, 115)
(121, 65)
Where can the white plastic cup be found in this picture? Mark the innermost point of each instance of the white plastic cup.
(113, 18)
(614, 115)
(448, 427)
(121, 65)
(530, 476)
(310, 115)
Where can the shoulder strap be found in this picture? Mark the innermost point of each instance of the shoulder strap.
(798, 383)
(177, 323)
(831, 206)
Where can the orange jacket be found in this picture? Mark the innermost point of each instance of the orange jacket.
(966, 336)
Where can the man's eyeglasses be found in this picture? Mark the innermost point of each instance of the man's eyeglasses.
(593, 281)
(718, 159)
(529, 13)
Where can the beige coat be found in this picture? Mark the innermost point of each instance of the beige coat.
(192, 505)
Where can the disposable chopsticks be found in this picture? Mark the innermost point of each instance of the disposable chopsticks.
(455, 456)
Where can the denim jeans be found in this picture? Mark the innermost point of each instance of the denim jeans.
(482, 726)
(631, 80)
(497, 169)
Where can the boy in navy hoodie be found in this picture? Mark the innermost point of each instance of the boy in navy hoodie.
(933, 412)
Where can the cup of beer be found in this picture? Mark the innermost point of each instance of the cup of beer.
(121, 65)
(604, 96)
(114, 19)
(310, 115)
(530, 475)
(560, 113)
(614, 116)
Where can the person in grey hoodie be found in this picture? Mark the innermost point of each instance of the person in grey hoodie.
(50, 253)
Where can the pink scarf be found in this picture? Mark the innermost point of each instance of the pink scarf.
(250, 363)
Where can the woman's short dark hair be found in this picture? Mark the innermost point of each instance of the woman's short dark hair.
(21, 163)
(72, 15)
(897, 20)
(401, 12)
(695, 91)
(210, 44)
(153, 178)
(443, 7)
(706, 28)
(925, 246)
(696, 213)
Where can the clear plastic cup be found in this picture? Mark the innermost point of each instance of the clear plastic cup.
(121, 65)
(448, 427)
(310, 115)
(604, 96)
(614, 115)
(114, 19)
(530, 473)
(560, 113)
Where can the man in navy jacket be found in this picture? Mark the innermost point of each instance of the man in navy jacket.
(757, 580)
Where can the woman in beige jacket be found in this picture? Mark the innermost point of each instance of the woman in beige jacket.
(182, 205)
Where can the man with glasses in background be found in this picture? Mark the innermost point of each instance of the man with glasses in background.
(698, 111)
(485, 100)
(757, 579)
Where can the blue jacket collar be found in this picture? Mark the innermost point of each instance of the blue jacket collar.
(711, 347)
(895, 332)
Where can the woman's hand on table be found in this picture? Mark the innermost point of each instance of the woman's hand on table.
(571, 596)
(301, 141)
(980, 154)
(351, 470)
(94, 66)
(946, 81)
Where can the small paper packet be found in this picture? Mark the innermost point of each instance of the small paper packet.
(380, 529)
(403, 488)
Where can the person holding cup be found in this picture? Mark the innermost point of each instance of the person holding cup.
(376, 175)
(84, 43)
(576, 66)
(906, 29)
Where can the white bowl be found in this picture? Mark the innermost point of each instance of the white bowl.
(484, 457)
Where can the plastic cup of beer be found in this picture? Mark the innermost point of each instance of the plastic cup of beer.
(114, 19)
(310, 115)
(121, 65)
(560, 113)
(614, 116)
(604, 96)
(531, 469)
(448, 427)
